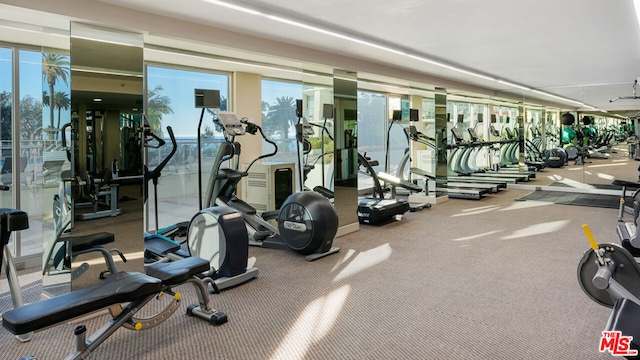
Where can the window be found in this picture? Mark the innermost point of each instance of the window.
(170, 99)
(279, 119)
(372, 120)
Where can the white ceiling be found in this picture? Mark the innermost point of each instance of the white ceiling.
(585, 50)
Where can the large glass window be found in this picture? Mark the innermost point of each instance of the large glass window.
(29, 160)
(397, 142)
(318, 160)
(279, 119)
(170, 98)
(6, 106)
(372, 120)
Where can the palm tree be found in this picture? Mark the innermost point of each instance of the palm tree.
(265, 111)
(54, 67)
(61, 101)
(5, 115)
(158, 105)
(282, 115)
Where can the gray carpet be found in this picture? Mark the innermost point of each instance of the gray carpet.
(494, 279)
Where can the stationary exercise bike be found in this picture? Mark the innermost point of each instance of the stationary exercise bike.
(307, 222)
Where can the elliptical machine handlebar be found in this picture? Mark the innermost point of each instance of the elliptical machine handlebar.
(252, 129)
(156, 172)
(230, 120)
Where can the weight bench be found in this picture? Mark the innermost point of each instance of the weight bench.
(135, 289)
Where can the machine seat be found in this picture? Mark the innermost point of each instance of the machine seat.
(628, 184)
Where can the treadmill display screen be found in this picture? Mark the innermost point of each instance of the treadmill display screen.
(473, 134)
(456, 134)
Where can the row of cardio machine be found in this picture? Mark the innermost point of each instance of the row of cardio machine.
(466, 179)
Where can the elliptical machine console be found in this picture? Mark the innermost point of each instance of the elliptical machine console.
(306, 221)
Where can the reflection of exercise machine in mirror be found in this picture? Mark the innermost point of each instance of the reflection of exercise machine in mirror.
(305, 134)
(455, 189)
(105, 182)
(345, 181)
(377, 207)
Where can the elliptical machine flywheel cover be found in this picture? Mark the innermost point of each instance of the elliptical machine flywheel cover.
(572, 152)
(307, 222)
(555, 158)
(219, 234)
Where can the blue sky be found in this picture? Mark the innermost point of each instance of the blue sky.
(179, 86)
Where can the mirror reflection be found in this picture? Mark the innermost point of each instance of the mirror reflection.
(318, 133)
(345, 135)
(98, 206)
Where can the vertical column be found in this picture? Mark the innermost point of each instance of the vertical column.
(522, 113)
(246, 102)
(441, 139)
(543, 129)
(345, 101)
(415, 102)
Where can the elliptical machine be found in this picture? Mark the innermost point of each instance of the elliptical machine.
(307, 222)
(227, 252)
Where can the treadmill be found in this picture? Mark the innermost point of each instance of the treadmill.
(376, 209)
(475, 139)
(463, 151)
(460, 190)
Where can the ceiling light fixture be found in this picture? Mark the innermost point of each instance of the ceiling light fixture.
(509, 83)
(636, 6)
(632, 97)
(557, 97)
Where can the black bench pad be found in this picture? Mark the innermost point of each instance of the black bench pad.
(85, 242)
(629, 184)
(117, 288)
(177, 272)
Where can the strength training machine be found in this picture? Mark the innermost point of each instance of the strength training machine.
(610, 276)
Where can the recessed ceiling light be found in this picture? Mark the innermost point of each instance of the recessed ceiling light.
(97, 99)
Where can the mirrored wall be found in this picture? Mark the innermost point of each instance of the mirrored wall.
(345, 103)
(97, 160)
